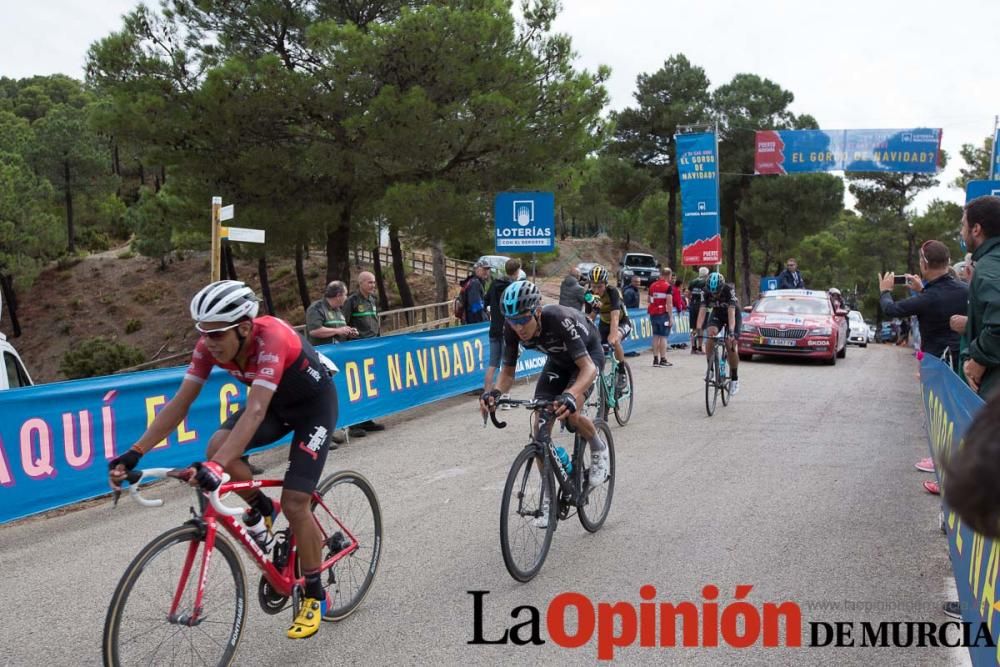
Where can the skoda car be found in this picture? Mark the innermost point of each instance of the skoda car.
(794, 323)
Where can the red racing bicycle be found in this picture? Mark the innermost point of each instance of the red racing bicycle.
(183, 597)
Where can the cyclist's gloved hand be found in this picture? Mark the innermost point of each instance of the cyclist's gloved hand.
(207, 475)
(565, 403)
(489, 399)
(120, 466)
(129, 460)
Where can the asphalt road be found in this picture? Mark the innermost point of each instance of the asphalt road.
(803, 487)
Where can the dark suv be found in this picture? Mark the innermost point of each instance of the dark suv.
(638, 264)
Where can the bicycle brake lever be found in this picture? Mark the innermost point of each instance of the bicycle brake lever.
(132, 477)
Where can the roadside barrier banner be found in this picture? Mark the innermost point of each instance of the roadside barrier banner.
(949, 408)
(56, 439)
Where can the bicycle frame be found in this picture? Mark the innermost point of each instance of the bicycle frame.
(570, 484)
(283, 582)
(720, 342)
(541, 440)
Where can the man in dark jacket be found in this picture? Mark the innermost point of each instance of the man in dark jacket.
(475, 299)
(571, 291)
(512, 269)
(631, 293)
(791, 278)
(981, 232)
(939, 296)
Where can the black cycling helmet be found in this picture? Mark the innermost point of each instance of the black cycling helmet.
(520, 297)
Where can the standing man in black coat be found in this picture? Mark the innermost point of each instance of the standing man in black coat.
(791, 278)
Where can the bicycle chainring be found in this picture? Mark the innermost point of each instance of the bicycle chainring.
(269, 600)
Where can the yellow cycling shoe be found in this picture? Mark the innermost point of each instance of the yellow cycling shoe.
(310, 615)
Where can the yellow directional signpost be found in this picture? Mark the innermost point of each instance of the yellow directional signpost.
(220, 214)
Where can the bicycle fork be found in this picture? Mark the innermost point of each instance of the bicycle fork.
(195, 617)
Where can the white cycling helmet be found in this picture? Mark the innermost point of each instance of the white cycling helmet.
(224, 301)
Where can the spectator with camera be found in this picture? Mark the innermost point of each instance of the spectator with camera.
(938, 297)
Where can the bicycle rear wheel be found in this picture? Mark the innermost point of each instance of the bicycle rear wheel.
(351, 504)
(597, 499)
(711, 384)
(523, 544)
(139, 628)
(625, 398)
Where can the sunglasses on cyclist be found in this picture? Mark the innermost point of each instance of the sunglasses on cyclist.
(215, 334)
(521, 320)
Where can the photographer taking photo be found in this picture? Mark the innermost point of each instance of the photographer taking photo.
(938, 296)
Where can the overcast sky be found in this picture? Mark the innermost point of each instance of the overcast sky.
(850, 63)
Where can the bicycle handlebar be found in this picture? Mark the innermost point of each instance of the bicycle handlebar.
(532, 404)
(136, 477)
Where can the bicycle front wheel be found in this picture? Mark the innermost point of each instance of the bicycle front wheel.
(596, 501)
(140, 628)
(711, 384)
(724, 384)
(528, 515)
(626, 397)
(349, 506)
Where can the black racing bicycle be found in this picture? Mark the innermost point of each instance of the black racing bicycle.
(717, 380)
(541, 490)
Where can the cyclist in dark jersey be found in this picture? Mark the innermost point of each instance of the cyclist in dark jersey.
(697, 290)
(722, 310)
(292, 392)
(613, 324)
(574, 353)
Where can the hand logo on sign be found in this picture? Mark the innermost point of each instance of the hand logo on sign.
(523, 215)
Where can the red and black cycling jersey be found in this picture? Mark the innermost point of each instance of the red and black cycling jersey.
(724, 299)
(564, 334)
(279, 360)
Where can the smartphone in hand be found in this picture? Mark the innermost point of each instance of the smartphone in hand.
(899, 279)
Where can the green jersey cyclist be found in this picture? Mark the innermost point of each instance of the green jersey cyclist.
(574, 353)
(614, 325)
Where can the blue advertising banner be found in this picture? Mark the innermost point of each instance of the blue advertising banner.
(525, 222)
(56, 439)
(801, 151)
(976, 189)
(949, 408)
(698, 169)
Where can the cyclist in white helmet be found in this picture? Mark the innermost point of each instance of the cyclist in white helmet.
(292, 392)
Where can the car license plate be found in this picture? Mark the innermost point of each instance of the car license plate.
(781, 342)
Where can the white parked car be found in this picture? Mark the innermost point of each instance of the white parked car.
(12, 372)
(498, 266)
(858, 334)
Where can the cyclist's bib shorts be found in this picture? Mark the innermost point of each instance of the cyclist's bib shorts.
(555, 379)
(311, 423)
(624, 328)
(719, 319)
